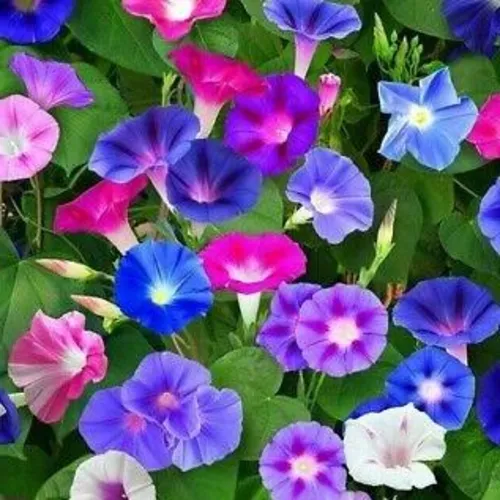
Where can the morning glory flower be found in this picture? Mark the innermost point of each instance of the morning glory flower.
(10, 424)
(429, 121)
(486, 132)
(33, 21)
(162, 286)
(312, 21)
(333, 193)
(476, 22)
(436, 383)
(374, 405)
(488, 404)
(489, 215)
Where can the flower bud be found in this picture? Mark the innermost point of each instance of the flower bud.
(328, 90)
(100, 307)
(68, 269)
(386, 230)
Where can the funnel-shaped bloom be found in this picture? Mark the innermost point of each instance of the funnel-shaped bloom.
(163, 389)
(488, 404)
(33, 21)
(28, 137)
(486, 132)
(51, 84)
(214, 80)
(54, 361)
(390, 448)
(10, 425)
(162, 286)
(435, 382)
(174, 18)
(429, 121)
(304, 460)
(274, 130)
(212, 183)
(112, 476)
(334, 193)
(476, 22)
(278, 333)
(342, 330)
(328, 90)
(489, 215)
(106, 424)
(312, 21)
(147, 144)
(102, 209)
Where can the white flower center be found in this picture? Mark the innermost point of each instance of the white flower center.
(420, 116)
(179, 10)
(305, 467)
(74, 360)
(167, 401)
(13, 145)
(162, 294)
(322, 201)
(431, 391)
(343, 332)
(3, 410)
(495, 3)
(249, 272)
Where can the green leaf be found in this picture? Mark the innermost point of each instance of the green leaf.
(255, 10)
(105, 28)
(81, 127)
(462, 240)
(217, 482)
(340, 396)
(9, 83)
(425, 16)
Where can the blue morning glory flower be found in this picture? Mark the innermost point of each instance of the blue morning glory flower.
(488, 404)
(212, 183)
(489, 215)
(476, 22)
(33, 21)
(162, 286)
(429, 121)
(10, 425)
(436, 383)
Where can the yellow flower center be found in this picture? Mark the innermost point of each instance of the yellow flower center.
(420, 116)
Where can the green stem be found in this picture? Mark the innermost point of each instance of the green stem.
(177, 346)
(1, 205)
(312, 383)
(317, 391)
(37, 183)
(466, 189)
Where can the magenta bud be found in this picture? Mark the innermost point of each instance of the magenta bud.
(328, 91)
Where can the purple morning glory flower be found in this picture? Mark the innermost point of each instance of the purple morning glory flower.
(277, 128)
(221, 417)
(147, 144)
(278, 333)
(488, 404)
(476, 22)
(448, 312)
(334, 193)
(33, 21)
(312, 21)
(429, 121)
(342, 329)
(51, 84)
(106, 424)
(211, 183)
(435, 382)
(374, 405)
(163, 390)
(304, 460)
(489, 215)
(10, 425)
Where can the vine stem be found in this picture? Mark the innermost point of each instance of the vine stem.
(466, 189)
(37, 183)
(177, 345)
(317, 390)
(1, 205)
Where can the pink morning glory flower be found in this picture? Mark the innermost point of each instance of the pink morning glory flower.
(28, 138)
(174, 18)
(485, 134)
(328, 90)
(215, 80)
(54, 361)
(102, 209)
(51, 84)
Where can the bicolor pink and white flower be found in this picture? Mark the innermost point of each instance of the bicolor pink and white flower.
(215, 80)
(28, 138)
(54, 361)
(103, 210)
(328, 90)
(390, 448)
(486, 132)
(174, 18)
(112, 475)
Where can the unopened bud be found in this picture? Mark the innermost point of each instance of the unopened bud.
(386, 231)
(100, 307)
(328, 91)
(68, 269)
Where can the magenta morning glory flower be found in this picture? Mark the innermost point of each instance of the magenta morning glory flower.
(312, 21)
(304, 461)
(333, 193)
(436, 383)
(106, 424)
(274, 130)
(278, 333)
(51, 84)
(342, 329)
(212, 183)
(221, 421)
(429, 121)
(163, 390)
(33, 21)
(147, 144)
(489, 215)
(488, 404)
